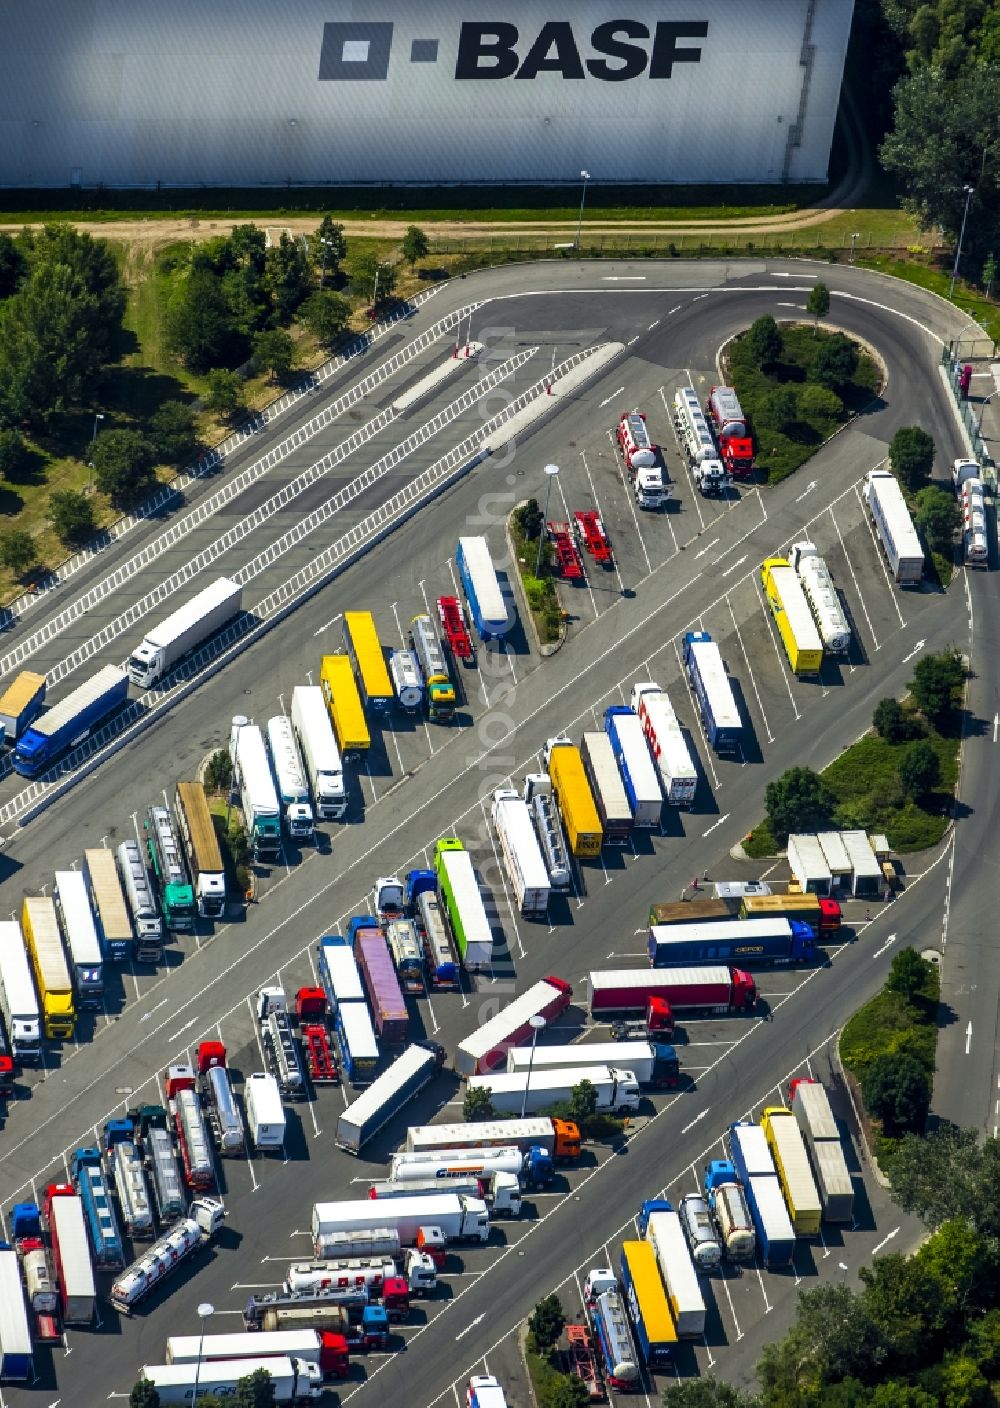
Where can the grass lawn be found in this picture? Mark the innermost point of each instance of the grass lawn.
(539, 591)
(920, 271)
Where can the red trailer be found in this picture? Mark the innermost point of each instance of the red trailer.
(582, 1361)
(456, 636)
(312, 1013)
(568, 563)
(589, 529)
(626, 991)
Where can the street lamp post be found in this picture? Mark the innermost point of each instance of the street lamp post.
(239, 722)
(551, 470)
(98, 417)
(327, 244)
(854, 240)
(205, 1309)
(378, 270)
(537, 1024)
(584, 177)
(982, 412)
(969, 191)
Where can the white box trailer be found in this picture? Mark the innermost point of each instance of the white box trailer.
(639, 773)
(186, 628)
(522, 855)
(83, 947)
(387, 1095)
(258, 795)
(821, 594)
(74, 1268)
(320, 754)
(18, 1002)
(598, 754)
(665, 1235)
(16, 1356)
(617, 1090)
(250, 1344)
(265, 1112)
(639, 1057)
(459, 1218)
(667, 743)
(289, 774)
(486, 1047)
(894, 526)
(292, 1380)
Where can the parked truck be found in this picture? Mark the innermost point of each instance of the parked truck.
(558, 1139)
(169, 871)
(201, 848)
(715, 989)
(793, 616)
(407, 954)
(142, 902)
(821, 913)
(265, 1112)
(386, 1096)
(292, 1380)
(281, 1051)
(36, 1269)
(83, 949)
(188, 627)
(258, 798)
(50, 734)
(312, 1011)
(16, 1354)
(488, 605)
(362, 1326)
(538, 795)
(364, 650)
(697, 911)
(606, 1312)
(406, 682)
(98, 1209)
(773, 942)
(486, 1048)
(666, 743)
(755, 1170)
(617, 1090)
(55, 987)
(521, 853)
(652, 1063)
(293, 793)
(975, 528)
(156, 1144)
(501, 1192)
(376, 1275)
(894, 526)
(70, 1254)
(320, 754)
(643, 461)
(728, 1204)
(613, 809)
(438, 689)
(732, 431)
(638, 771)
(573, 797)
(533, 1168)
(484, 1391)
(359, 1049)
(811, 1107)
(114, 926)
(328, 1351)
(124, 1168)
(647, 1304)
(821, 594)
(459, 1219)
(18, 1003)
(189, 1235)
(463, 904)
(660, 1225)
(219, 1100)
(697, 443)
(713, 692)
(343, 702)
(388, 1006)
(19, 703)
(788, 1149)
(188, 1119)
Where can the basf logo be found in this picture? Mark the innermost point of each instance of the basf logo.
(614, 51)
(317, 92)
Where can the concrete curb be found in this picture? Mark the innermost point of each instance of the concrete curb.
(873, 1164)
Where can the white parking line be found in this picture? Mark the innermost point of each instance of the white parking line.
(586, 574)
(628, 494)
(753, 680)
(597, 505)
(857, 588)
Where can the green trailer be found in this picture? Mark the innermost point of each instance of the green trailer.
(463, 904)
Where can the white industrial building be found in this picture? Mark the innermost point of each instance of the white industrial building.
(307, 92)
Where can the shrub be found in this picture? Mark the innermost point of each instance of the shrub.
(72, 517)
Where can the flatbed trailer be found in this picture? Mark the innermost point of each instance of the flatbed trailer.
(588, 527)
(568, 564)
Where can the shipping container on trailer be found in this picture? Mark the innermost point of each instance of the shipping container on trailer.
(19, 704)
(894, 526)
(83, 947)
(463, 903)
(598, 755)
(639, 772)
(666, 742)
(713, 692)
(359, 1051)
(201, 848)
(386, 1096)
(343, 702)
(70, 720)
(320, 754)
(364, 650)
(185, 629)
(488, 605)
(821, 594)
(16, 1356)
(113, 922)
(55, 987)
(18, 1001)
(486, 1048)
(574, 798)
(792, 616)
(337, 970)
(660, 1226)
(788, 1149)
(522, 855)
(743, 941)
(388, 1006)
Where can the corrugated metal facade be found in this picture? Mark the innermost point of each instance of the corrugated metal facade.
(247, 92)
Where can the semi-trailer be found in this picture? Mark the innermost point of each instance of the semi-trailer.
(598, 755)
(643, 461)
(501, 1192)
(326, 1350)
(606, 1312)
(265, 1112)
(169, 871)
(728, 1204)
(573, 797)
(666, 743)
(617, 1090)
(71, 1254)
(713, 692)
(362, 1326)
(290, 777)
(320, 754)
(487, 603)
(83, 948)
(717, 989)
(168, 1252)
(703, 911)
(406, 682)
(149, 1125)
(50, 734)
(792, 616)
(652, 1063)
(407, 954)
(386, 1096)
(343, 702)
(811, 1107)
(201, 848)
(110, 910)
(486, 1048)
(751, 1158)
(821, 913)
(124, 1168)
(758, 941)
(219, 1101)
(142, 902)
(732, 431)
(647, 1304)
(364, 650)
(359, 1049)
(98, 1209)
(788, 1149)
(821, 594)
(337, 971)
(638, 771)
(459, 1219)
(183, 630)
(438, 689)
(544, 814)
(16, 1355)
(388, 1006)
(975, 530)
(291, 1380)
(55, 988)
(377, 1275)
(258, 798)
(19, 703)
(660, 1225)
(894, 526)
(559, 1139)
(439, 956)
(281, 1051)
(463, 904)
(533, 1168)
(18, 1002)
(184, 1107)
(521, 853)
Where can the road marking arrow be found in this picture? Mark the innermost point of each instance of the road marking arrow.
(471, 1326)
(705, 549)
(885, 1241)
(807, 490)
(915, 651)
(695, 1120)
(146, 1015)
(738, 563)
(182, 1030)
(608, 399)
(968, 1039)
(996, 725)
(888, 944)
(715, 824)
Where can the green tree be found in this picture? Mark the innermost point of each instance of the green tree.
(818, 302)
(912, 455)
(984, 1343)
(798, 800)
(834, 362)
(13, 265)
(937, 684)
(123, 465)
(143, 1395)
(564, 1391)
(890, 721)
(13, 453)
(199, 324)
(989, 273)
(477, 1106)
(226, 394)
(530, 519)
(247, 245)
(583, 1102)
(896, 1393)
(764, 341)
(546, 1322)
(834, 1338)
(286, 277)
(173, 432)
(919, 768)
(898, 1090)
(908, 975)
(326, 315)
(949, 1175)
(17, 551)
(364, 267)
(707, 1393)
(273, 351)
(329, 245)
(415, 245)
(72, 517)
(778, 408)
(255, 1390)
(219, 771)
(938, 517)
(961, 1385)
(819, 403)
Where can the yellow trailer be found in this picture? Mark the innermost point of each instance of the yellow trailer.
(364, 650)
(347, 713)
(792, 615)
(41, 934)
(574, 797)
(788, 1149)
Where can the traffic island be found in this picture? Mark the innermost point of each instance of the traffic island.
(536, 594)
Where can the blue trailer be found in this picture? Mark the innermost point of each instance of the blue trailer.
(337, 972)
(70, 720)
(741, 942)
(98, 1209)
(713, 692)
(16, 1362)
(359, 1053)
(488, 606)
(751, 1158)
(635, 763)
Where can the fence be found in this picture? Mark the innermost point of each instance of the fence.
(971, 412)
(659, 242)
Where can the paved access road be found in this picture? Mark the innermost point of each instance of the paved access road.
(694, 566)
